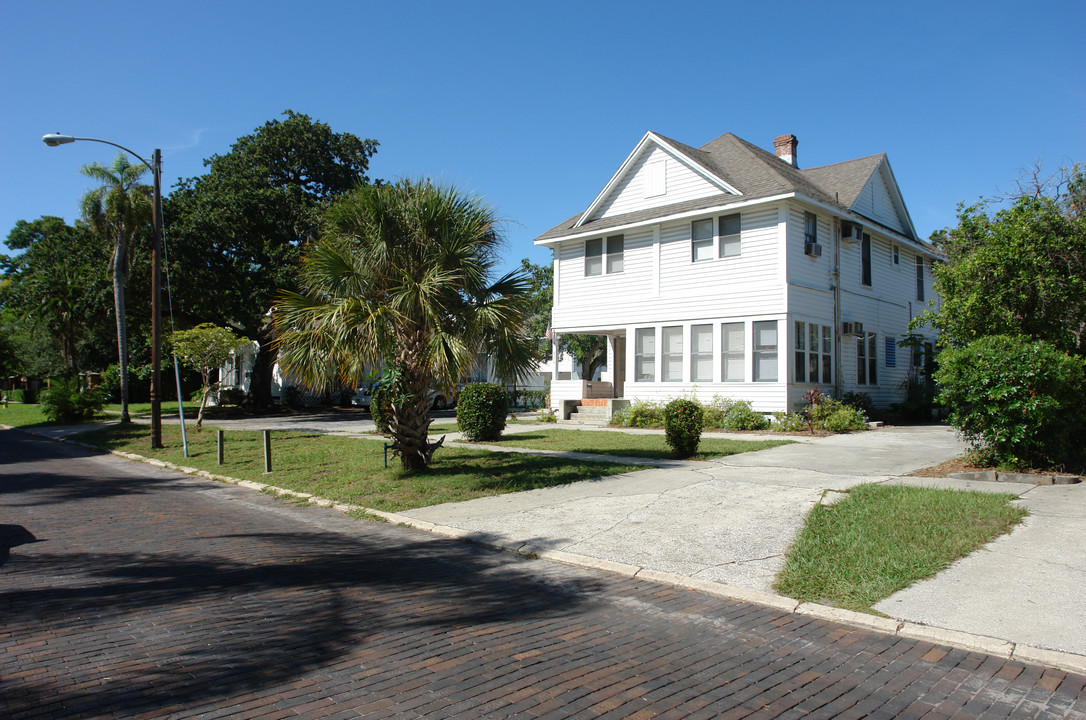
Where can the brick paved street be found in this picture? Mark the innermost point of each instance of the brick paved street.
(149, 594)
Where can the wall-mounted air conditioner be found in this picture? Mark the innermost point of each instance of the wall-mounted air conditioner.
(851, 231)
(852, 328)
(812, 249)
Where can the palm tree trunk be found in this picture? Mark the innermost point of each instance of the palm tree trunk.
(122, 327)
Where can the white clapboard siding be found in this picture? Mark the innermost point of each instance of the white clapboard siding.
(660, 283)
(681, 184)
(875, 202)
(804, 269)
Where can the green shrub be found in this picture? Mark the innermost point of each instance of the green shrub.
(65, 402)
(640, 413)
(481, 411)
(825, 413)
(1017, 402)
(548, 416)
(842, 418)
(727, 414)
(788, 422)
(859, 400)
(381, 407)
(683, 419)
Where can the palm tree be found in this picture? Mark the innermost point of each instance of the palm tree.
(401, 278)
(118, 209)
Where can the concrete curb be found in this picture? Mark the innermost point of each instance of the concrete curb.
(1069, 662)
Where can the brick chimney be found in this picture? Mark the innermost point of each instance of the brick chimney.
(785, 147)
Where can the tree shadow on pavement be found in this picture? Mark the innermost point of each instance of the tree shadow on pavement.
(164, 630)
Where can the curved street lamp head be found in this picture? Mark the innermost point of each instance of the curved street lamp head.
(54, 139)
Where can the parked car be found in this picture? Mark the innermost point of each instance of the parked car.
(363, 398)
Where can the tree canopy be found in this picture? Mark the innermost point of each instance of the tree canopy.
(402, 279)
(235, 234)
(1019, 271)
(54, 297)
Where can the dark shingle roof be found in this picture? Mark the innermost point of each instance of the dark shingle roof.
(755, 173)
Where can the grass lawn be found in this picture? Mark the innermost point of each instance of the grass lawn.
(882, 538)
(351, 470)
(169, 407)
(626, 445)
(20, 415)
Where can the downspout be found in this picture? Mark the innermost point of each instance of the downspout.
(836, 287)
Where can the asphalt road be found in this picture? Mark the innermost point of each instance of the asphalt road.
(130, 591)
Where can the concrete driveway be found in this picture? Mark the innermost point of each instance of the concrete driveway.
(728, 521)
(731, 521)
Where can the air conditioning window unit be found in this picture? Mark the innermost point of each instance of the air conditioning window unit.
(852, 328)
(851, 231)
(812, 249)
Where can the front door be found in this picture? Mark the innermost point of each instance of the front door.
(619, 375)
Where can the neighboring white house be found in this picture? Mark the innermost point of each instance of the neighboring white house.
(727, 270)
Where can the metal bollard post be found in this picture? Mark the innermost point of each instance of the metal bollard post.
(267, 452)
(219, 438)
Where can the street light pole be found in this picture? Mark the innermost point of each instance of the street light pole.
(155, 166)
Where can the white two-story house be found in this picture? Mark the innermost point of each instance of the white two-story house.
(728, 270)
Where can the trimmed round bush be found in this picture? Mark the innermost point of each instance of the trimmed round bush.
(481, 410)
(683, 419)
(1017, 402)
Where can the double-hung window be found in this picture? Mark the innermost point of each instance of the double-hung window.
(867, 360)
(919, 277)
(701, 239)
(645, 355)
(730, 235)
(701, 353)
(814, 353)
(725, 242)
(810, 228)
(765, 350)
(672, 356)
(602, 254)
(733, 352)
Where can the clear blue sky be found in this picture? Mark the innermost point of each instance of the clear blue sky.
(535, 105)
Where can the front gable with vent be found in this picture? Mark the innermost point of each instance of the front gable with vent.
(654, 175)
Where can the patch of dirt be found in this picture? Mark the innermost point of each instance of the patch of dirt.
(951, 466)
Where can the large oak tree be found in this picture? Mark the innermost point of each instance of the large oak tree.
(235, 234)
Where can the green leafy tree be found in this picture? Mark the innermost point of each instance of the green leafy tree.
(1019, 271)
(588, 351)
(119, 209)
(55, 298)
(235, 234)
(401, 279)
(540, 303)
(206, 348)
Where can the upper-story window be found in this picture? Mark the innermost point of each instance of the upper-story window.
(896, 254)
(919, 277)
(603, 254)
(865, 260)
(810, 228)
(725, 242)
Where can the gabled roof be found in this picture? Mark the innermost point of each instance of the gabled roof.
(733, 164)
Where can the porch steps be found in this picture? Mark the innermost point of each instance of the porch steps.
(594, 415)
